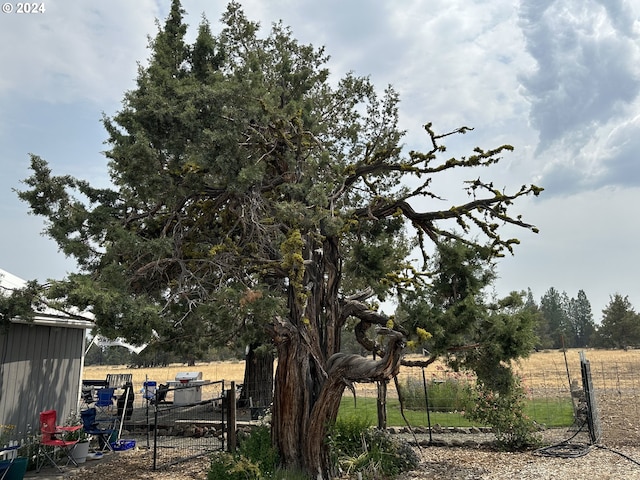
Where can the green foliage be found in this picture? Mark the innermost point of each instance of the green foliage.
(258, 448)
(565, 322)
(74, 420)
(375, 453)
(290, 474)
(346, 434)
(256, 458)
(505, 413)
(450, 395)
(225, 466)
(30, 449)
(23, 302)
(620, 325)
(582, 320)
(471, 333)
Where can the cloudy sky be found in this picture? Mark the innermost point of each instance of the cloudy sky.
(557, 79)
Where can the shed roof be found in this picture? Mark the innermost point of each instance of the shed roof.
(48, 316)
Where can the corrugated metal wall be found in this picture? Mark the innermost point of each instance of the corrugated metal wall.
(40, 369)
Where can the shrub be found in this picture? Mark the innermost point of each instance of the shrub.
(256, 459)
(345, 436)
(504, 412)
(357, 447)
(258, 449)
(225, 466)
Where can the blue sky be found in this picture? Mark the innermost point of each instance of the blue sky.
(557, 79)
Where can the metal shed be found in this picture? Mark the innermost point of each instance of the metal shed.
(41, 364)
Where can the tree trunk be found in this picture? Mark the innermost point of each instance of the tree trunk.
(325, 412)
(292, 397)
(257, 389)
(311, 377)
(307, 397)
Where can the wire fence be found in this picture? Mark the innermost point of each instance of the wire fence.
(178, 423)
(550, 393)
(190, 426)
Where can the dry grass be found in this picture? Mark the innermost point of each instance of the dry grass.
(229, 371)
(611, 369)
(548, 369)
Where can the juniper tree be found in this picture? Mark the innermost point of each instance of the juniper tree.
(254, 199)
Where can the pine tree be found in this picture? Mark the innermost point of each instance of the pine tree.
(620, 325)
(553, 306)
(582, 320)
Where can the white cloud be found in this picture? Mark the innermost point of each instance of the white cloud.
(587, 65)
(75, 50)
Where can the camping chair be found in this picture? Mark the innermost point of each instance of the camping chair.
(52, 438)
(91, 427)
(125, 402)
(87, 396)
(105, 400)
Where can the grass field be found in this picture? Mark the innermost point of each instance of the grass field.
(549, 412)
(545, 374)
(545, 368)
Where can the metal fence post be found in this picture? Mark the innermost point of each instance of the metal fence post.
(231, 416)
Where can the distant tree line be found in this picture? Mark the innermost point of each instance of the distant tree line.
(155, 355)
(561, 322)
(565, 322)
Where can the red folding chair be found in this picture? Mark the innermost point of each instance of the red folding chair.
(52, 440)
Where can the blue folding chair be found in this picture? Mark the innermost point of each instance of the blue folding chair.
(92, 427)
(105, 400)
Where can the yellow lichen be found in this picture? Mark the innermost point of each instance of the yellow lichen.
(423, 335)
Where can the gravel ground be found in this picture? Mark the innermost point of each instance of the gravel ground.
(451, 456)
(457, 457)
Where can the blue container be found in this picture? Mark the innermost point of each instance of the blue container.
(121, 445)
(149, 391)
(17, 468)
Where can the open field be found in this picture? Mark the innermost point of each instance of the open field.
(229, 371)
(610, 369)
(614, 372)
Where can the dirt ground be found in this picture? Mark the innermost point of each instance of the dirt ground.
(459, 456)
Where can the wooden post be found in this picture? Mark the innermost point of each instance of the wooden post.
(231, 416)
(382, 404)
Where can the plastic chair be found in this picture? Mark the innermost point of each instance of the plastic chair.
(52, 438)
(92, 427)
(105, 400)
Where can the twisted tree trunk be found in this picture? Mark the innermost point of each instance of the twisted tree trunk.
(343, 370)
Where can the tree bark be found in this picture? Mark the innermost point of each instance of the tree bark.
(343, 370)
(311, 376)
(257, 388)
(292, 402)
